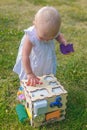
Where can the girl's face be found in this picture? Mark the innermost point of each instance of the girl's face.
(45, 33)
(44, 37)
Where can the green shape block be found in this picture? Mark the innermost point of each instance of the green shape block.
(21, 112)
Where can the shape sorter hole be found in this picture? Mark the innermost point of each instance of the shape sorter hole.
(41, 92)
(41, 95)
(57, 90)
(52, 83)
(48, 78)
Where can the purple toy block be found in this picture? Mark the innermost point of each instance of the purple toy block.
(65, 49)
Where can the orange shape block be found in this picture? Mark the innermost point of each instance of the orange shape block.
(55, 114)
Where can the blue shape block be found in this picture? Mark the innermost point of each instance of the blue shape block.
(57, 102)
(58, 98)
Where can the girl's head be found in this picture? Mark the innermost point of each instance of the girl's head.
(47, 23)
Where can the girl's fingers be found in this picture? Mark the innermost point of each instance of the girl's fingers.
(33, 82)
(28, 83)
(38, 82)
(38, 78)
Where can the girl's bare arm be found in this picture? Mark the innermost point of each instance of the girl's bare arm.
(32, 78)
(60, 38)
(25, 55)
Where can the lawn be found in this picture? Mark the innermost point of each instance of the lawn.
(15, 16)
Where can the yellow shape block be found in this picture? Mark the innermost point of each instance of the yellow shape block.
(19, 92)
(28, 112)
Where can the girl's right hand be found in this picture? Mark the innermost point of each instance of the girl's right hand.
(33, 80)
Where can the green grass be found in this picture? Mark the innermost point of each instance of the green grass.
(17, 15)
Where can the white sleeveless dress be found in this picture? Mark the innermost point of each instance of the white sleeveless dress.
(42, 57)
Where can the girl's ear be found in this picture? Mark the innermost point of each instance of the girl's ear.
(34, 22)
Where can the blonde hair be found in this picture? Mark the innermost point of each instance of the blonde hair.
(49, 18)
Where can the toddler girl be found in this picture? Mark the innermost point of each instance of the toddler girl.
(36, 55)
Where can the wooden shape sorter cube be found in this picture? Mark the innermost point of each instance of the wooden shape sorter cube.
(46, 102)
